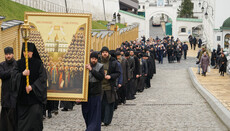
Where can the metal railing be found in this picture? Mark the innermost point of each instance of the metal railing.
(48, 6)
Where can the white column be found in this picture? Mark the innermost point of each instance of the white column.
(147, 19)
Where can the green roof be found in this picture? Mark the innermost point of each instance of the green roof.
(131, 14)
(190, 20)
(226, 23)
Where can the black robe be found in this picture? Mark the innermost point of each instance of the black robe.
(29, 106)
(8, 114)
(223, 64)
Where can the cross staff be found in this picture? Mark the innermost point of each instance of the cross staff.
(25, 30)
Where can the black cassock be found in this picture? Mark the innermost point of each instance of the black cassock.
(8, 116)
(29, 106)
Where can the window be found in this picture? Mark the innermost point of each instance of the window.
(183, 30)
(139, 7)
(143, 7)
(218, 38)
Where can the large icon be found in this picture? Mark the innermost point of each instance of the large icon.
(63, 43)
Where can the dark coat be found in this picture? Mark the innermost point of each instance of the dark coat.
(114, 72)
(95, 87)
(120, 78)
(185, 47)
(143, 67)
(131, 67)
(125, 66)
(37, 79)
(5, 75)
(213, 58)
(150, 67)
(137, 67)
(223, 64)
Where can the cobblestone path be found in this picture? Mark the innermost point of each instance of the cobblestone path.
(171, 104)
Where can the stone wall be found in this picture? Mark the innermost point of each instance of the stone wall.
(10, 37)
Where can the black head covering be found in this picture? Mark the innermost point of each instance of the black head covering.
(127, 54)
(94, 55)
(145, 55)
(112, 53)
(118, 53)
(105, 49)
(9, 50)
(31, 48)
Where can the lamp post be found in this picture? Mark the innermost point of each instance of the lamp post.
(25, 30)
(206, 14)
(202, 8)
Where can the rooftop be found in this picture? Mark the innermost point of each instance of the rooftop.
(190, 20)
(11, 23)
(1, 17)
(226, 24)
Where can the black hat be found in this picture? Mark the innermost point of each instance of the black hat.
(30, 46)
(105, 49)
(9, 50)
(145, 55)
(112, 53)
(118, 53)
(94, 55)
(126, 54)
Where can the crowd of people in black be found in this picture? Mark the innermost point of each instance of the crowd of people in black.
(115, 76)
(219, 60)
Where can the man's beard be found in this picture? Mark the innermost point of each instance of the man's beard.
(93, 63)
(9, 61)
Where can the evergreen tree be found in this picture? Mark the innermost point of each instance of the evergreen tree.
(186, 9)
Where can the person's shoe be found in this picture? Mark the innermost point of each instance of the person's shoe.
(133, 98)
(124, 101)
(49, 114)
(55, 112)
(106, 124)
(64, 109)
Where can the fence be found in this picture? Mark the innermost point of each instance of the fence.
(113, 39)
(47, 6)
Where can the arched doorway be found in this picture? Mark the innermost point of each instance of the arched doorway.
(160, 25)
(168, 11)
(226, 41)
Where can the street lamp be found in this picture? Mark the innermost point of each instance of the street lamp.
(203, 5)
(25, 30)
(202, 9)
(206, 15)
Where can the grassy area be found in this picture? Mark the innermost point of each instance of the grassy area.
(15, 11)
(104, 23)
(97, 25)
(12, 10)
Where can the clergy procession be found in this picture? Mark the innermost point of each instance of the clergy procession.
(115, 76)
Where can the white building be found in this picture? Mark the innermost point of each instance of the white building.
(216, 23)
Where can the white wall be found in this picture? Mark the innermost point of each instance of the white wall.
(218, 33)
(125, 18)
(188, 25)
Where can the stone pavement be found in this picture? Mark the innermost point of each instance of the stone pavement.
(217, 85)
(171, 104)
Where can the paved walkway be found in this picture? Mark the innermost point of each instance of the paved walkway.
(172, 103)
(217, 85)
